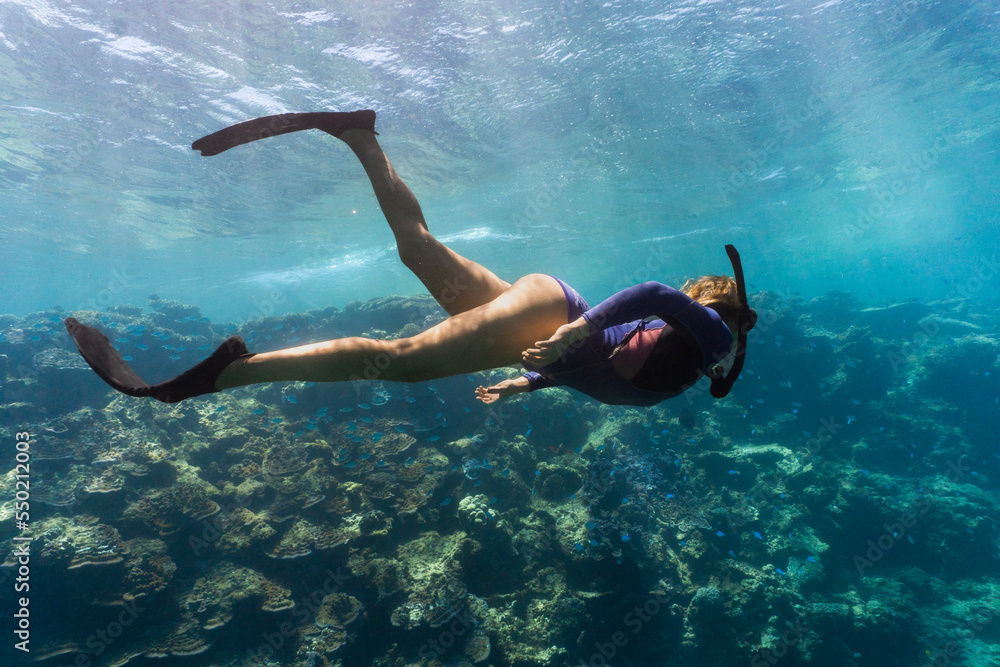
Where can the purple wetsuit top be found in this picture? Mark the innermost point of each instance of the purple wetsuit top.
(684, 340)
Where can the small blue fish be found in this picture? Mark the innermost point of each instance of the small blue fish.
(446, 501)
(376, 436)
(493, 500)
(579, 547)
(434, 438)
(277, 420)
(142, 347)
(410, 399)
(625, 537)
(259, 411)
(367, 420)
(291, 398)
(357, 438)
(175, 357)
(365, 456)
(127, 357)
(757, 535)
(321, 412)
(206, 346)
(720, 534)
(364, 406)
(350, 465)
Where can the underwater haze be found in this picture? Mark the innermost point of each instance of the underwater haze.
(839, 145)
(839, 508)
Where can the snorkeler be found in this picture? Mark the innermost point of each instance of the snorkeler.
(612, 352)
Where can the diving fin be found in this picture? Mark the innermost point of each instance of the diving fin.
(109, 365)
(331, 122)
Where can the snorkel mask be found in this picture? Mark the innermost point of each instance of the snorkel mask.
(746, 320)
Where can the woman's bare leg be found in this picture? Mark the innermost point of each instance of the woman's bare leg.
(457, 283)
(491, 335)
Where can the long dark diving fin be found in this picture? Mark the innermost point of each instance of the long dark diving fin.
(331, 122)
(109, 365)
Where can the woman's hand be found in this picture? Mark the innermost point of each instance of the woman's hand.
(565, 337)
(502, 390)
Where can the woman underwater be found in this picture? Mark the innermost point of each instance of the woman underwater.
(610, 352)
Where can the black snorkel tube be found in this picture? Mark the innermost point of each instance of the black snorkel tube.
(746, 320)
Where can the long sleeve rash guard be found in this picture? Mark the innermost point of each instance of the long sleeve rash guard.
(689, 339)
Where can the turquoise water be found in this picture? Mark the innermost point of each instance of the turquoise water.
(574, 139)
(848, 149)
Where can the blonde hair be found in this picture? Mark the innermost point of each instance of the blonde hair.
(716, 292)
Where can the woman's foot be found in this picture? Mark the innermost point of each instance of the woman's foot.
(331, 122)
(101, 355)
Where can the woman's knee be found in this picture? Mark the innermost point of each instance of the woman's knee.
(413, 246)
(405, 360)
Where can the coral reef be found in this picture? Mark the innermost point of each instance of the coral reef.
(838, 508)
